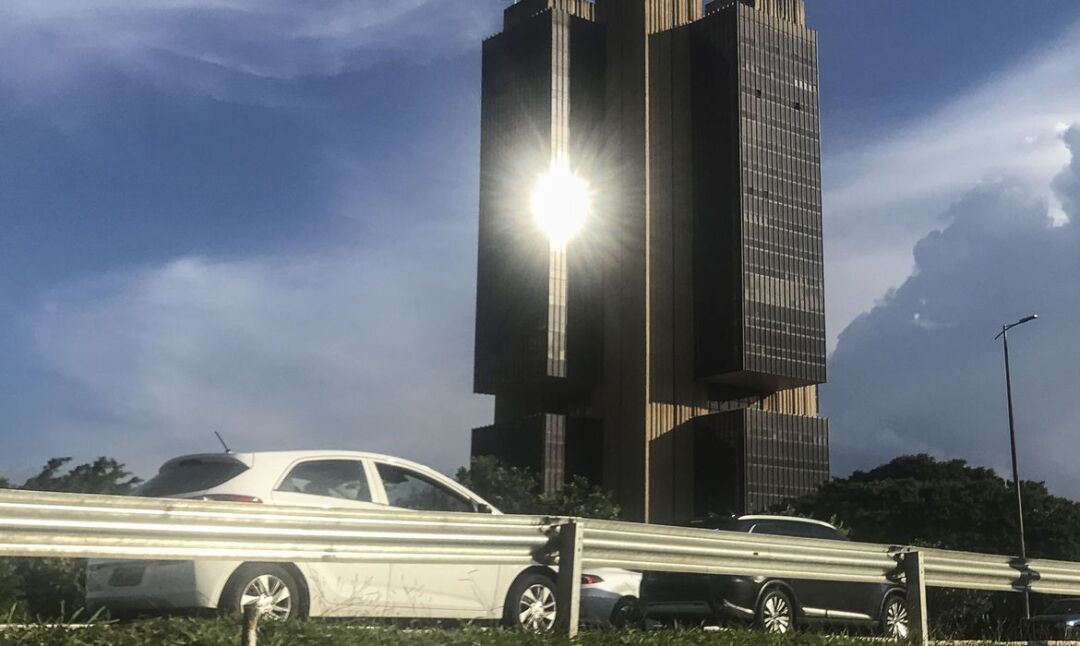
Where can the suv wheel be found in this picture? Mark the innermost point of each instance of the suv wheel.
(531, 604)
(776, 612)
(894, 618)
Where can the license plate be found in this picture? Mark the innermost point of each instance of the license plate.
(127, 576)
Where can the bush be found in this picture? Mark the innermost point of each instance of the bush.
(55, 588)
(517, 491)
(219, 632)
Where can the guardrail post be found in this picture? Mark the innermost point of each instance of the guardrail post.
(569, 583)
(249, 634)
(915, 576)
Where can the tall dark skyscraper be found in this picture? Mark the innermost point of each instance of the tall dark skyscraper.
(668, 344)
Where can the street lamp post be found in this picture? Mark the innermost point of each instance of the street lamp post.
(1004, 336)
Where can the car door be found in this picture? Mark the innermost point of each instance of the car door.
(815, 598)
(337, 589)
(850, 601)
(428, 589)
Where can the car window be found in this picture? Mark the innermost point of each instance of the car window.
(344, 479)
(410, 490)
(192, 474)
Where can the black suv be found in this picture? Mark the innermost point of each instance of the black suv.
(776, 605)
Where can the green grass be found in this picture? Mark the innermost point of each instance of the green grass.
(222, 632)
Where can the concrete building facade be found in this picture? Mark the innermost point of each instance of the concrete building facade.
(671, 350)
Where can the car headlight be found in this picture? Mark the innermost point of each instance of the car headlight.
(1073, 623)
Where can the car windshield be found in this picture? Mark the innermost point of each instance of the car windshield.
(188, 475)
(1064, 607)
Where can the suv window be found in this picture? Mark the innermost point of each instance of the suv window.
(344, 479)
(796, 528)
(827, 533)
(410, 490)
(1063, 607)
(782, 528)
(720, 524)
(190, 475)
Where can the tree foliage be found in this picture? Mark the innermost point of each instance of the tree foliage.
(511, 489)
(514, 490)
(918, 500)
(102, 476)
(54, 588)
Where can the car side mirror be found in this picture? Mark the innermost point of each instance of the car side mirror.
(484, 509)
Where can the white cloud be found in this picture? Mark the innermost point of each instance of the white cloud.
(881, 198)
(352, 348)
(47, 45)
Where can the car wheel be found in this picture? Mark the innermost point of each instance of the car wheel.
(776, 612)
(894, 618)
(531, 604)
(627, 612)
(271, 588)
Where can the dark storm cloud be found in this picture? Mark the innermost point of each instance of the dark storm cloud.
(922, 372)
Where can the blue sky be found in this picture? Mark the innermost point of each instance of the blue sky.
(258, 216)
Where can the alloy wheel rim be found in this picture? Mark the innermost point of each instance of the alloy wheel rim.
(537, 608)
(896, 620)
(776, 614)
(270, 595)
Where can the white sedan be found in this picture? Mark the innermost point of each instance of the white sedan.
(519, 597)
(610, 597)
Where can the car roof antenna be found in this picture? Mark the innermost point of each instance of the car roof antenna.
(220, 439)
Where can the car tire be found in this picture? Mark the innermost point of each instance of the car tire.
(626, 613)
(775, 612)
(273, 588)
(531, 604)
(893, 623)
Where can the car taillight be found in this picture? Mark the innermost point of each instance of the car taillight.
(229, 497)
(590, 579)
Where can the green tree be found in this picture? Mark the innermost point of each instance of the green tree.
(515, 490)
(579, 498)
(54, 588)
(511, 489)
(918, 500)
(102, 476)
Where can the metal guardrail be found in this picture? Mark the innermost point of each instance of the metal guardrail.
(658, 548)
(89, 526)
(86, 526)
